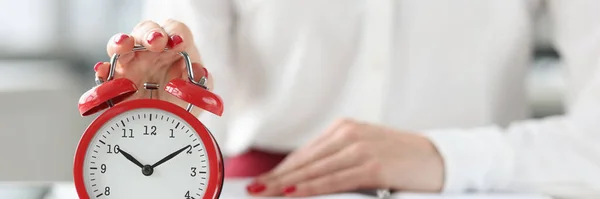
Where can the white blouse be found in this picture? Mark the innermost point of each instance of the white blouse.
(453, 70)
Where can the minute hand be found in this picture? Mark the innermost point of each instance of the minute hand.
(170, 156)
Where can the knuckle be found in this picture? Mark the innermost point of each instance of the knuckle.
(374, 170)
(358, 149)
(310, 173)
(343, 121)
(339, 124)
(145, 24)
(178, 25)
(374, 166)
(352, 126)
(350, 132)
(183, 27)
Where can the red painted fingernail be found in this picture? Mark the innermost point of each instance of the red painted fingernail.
(174, 41)
(98, 66)
(118, 39)
(205, 72)
(289, 190)
(256, 188)
(153, 37)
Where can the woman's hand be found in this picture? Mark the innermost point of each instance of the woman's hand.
(154, 65)
(352, 156)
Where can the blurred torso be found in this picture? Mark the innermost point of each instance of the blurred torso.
(303, 64)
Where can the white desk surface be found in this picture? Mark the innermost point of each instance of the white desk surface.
(235, 189)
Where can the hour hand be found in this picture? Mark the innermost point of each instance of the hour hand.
(131, 158)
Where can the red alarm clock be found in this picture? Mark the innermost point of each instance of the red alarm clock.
(148, 148)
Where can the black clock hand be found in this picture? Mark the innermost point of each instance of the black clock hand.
(172, 155)
(131, 158)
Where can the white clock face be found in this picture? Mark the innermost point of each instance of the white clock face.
(146, 153)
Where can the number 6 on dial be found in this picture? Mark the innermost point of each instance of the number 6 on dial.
(148, 148)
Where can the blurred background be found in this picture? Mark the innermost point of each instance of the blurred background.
(46, 62)
(47, 56)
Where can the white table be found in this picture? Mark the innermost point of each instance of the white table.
(232, 189)
(235, 189)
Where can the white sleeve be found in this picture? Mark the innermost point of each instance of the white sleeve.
(559, 155)
(212, 22)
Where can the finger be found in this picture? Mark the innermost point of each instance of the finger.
(339, 137)
(179, 34)
(150, 35)
(310, 146)
(351, 179)
(299, 160)
(102, 69)
(119, 43)
(199, 72)
(182, 72)
(337, 124)
(331, 129)
(209, 79)
(181, 39)
(346, 158)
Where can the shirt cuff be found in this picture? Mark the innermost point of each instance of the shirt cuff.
(474, 160)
